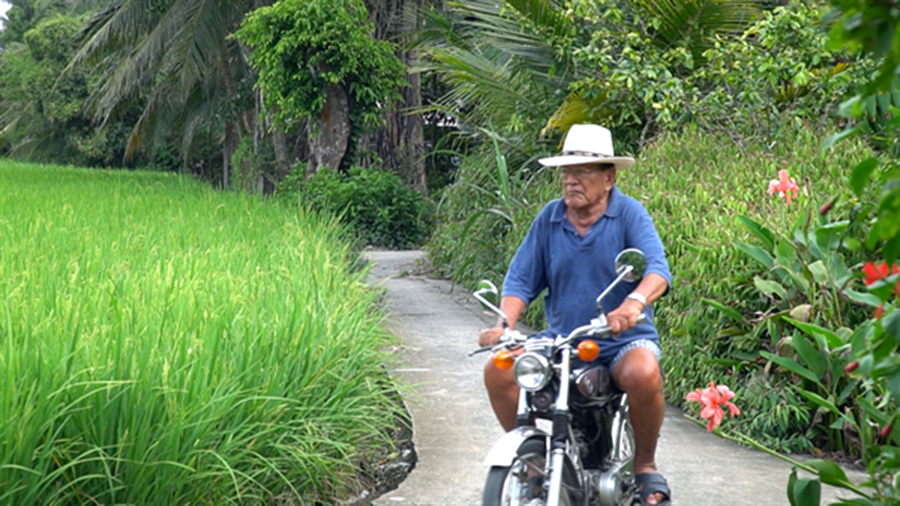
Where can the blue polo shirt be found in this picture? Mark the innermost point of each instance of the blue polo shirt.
(576, 269)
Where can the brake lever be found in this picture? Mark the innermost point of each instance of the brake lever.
(481, 350)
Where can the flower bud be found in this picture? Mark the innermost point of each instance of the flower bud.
(885, 431)
(826, 207)
(849, 368)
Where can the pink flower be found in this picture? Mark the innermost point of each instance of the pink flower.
(713, 399)
(784, 185)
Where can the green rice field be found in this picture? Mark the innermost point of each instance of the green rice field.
(165, 343)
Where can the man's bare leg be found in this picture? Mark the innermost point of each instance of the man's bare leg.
(638, 375)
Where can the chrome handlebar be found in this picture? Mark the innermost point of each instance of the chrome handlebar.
(597, 328)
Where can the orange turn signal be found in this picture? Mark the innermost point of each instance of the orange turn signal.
(504, 359)
(588, 350)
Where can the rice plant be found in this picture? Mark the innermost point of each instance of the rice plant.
(162, 343)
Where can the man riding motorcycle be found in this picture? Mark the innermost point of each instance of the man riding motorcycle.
(570, 251)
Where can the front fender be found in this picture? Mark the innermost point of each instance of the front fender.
(504, 450)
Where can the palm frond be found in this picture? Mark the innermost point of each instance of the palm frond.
(691, 23)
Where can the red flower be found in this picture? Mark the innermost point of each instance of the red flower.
(879, 311)
(784, 185)
(712, 399)
(876, 271)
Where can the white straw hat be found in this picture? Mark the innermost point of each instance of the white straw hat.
(587, 144)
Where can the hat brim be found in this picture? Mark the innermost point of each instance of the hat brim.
(621, 162)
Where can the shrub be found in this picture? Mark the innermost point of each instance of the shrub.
(380, 208)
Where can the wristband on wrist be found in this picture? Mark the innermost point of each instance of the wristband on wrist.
(638, 297)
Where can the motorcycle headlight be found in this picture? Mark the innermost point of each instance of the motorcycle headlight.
(532, 371)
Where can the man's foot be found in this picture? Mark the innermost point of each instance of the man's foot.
(653, 488)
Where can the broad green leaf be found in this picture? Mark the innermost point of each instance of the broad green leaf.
(828, 237)
(822, 335)
(821, 401)
(793, 367)
(812, 358)
(829, 472)
(727, 311)
(804, 491)
(863, 298)
(757, 253)
(848, 390)
(894, 385)
(872, 411)
(769, 288)
(861, 173)
(785, 253)
(764, 234)
(798, 281)
(819, 272)
(891, 325)
(831, 139)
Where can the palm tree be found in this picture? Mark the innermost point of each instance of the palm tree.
(509, 64)
(178, 59)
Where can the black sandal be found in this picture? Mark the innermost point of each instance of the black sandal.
(652, 483)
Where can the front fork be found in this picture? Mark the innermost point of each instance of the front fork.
(560, 431)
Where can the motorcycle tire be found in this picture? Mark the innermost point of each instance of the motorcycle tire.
(505, 483)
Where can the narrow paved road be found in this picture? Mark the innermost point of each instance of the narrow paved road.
(454, 426)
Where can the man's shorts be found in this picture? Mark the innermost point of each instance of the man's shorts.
(613, 350)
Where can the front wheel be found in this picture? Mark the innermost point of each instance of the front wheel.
(525, 482)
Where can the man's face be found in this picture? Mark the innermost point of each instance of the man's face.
(587, 185)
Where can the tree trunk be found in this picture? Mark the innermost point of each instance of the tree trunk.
(282, 153)
(232, 128)
(328, 139)
(401, 143)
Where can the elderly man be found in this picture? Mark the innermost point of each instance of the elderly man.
(570, 251)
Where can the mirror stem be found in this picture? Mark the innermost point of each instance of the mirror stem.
(624, 272)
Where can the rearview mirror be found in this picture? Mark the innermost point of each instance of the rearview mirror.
(489, 298)
(634, 258)
(487, 293)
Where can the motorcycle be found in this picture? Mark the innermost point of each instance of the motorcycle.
(586, 456)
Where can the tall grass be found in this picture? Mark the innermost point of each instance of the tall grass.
(161, 343)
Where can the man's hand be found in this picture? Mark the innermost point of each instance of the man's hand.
(490, 337)
(625, 316)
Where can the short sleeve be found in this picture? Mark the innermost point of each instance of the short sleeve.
(527, 274)
(640, 233)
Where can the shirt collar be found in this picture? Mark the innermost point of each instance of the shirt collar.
(612, 210)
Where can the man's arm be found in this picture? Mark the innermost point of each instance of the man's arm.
(652, 287)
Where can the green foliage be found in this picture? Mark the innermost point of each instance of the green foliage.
(300, 47)
(786, 420)
(774, 71)
(804, 275)
(372, 201)
(163, 343)
(695, 186)
(42, 115)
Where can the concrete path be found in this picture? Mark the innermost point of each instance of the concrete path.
(438, 324)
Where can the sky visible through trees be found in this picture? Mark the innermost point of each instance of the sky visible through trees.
(3, 8)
